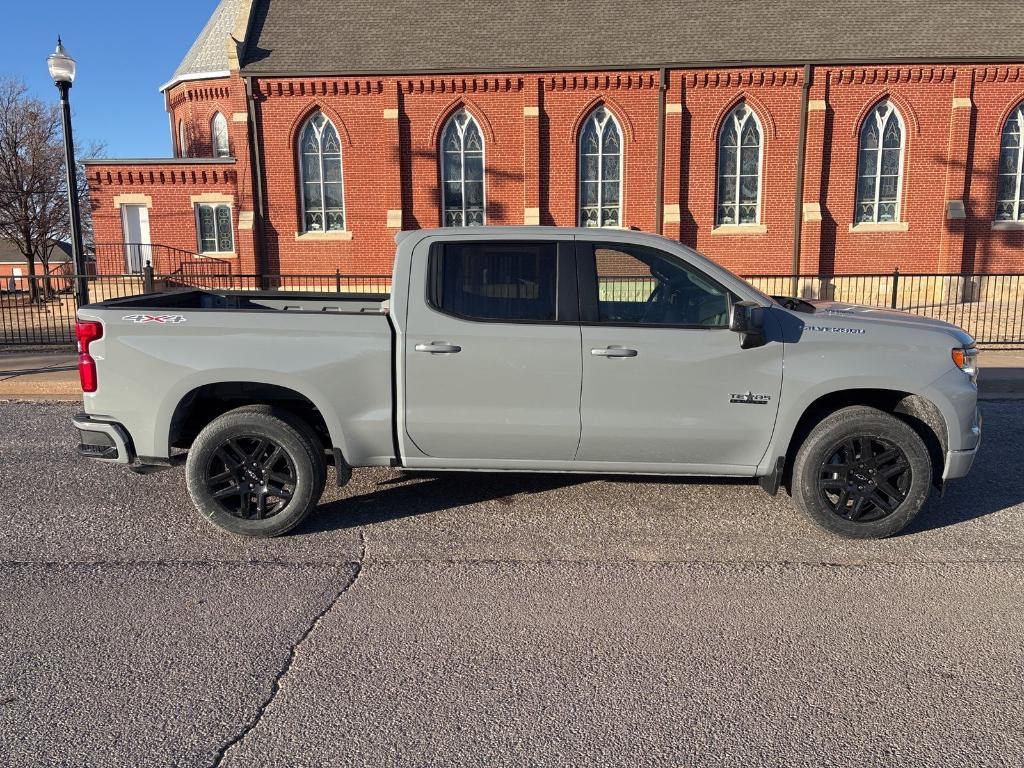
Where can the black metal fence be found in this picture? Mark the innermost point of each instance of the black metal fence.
(41, 310)
(988, 306)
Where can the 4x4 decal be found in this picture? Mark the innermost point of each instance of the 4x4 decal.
(155, 318)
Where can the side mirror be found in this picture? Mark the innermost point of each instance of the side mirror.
(747, 319)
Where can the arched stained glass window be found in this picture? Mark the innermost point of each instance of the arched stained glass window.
(323, 204)
(880, 166)
(1010, 192)
(182, 140)
(600, 171)
(219, 136)
(739, 168)
(462, 171)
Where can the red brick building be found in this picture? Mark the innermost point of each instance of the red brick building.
(843, 137)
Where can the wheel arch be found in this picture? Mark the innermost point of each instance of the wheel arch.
(200, 404)
(920, 413)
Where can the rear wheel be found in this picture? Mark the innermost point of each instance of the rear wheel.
(254, 473)
(862, 473)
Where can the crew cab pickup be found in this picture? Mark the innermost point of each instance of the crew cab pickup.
(531, 349)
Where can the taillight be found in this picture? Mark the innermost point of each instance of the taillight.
(87, 331)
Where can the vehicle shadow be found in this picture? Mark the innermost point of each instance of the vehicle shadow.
(411, 494)
(995, 483)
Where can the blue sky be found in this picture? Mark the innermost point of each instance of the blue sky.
(124, 50)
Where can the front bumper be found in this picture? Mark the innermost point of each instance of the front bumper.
(103, 440)
(958, 463)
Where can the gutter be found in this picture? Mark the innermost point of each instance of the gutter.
(193, 76)
(159, 161)
(659, 189)
(646, 67)
(798, 194)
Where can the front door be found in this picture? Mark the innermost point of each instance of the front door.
(492, 357)
(135, 222)
(661, 368)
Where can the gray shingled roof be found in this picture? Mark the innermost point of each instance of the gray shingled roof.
(9, 253)
(398, 36)
(209, 53)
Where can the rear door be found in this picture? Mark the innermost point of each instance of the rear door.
(492, 352)
(664, 380)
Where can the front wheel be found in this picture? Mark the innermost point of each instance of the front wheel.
(862, 473)
(254, 473)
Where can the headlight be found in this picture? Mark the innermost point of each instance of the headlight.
(966, 359)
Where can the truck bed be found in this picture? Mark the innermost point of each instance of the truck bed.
(334, 350)
(253, 301)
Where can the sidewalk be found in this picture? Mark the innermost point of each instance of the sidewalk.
(42, 375)
(39, 376)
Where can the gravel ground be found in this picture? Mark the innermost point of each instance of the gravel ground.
(503, 620)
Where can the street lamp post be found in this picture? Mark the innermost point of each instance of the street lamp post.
(62, 70)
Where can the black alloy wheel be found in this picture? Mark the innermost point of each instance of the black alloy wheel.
(864, 479)
(251, 477)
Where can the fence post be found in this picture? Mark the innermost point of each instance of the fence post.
(895, 286)
(337, 281)
(147, 278)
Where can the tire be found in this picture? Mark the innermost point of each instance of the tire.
(862, 473)
(306, 429)
(254, 472)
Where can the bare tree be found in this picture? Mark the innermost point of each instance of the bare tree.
(33, 184)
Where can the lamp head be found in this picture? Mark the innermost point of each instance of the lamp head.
(62, 66)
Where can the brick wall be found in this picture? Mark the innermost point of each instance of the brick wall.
(390, 129)
(168, 191)
(193, 104)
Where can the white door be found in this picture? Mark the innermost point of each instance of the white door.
(135, 220)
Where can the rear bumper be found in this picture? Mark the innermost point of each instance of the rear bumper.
(103, 440)
(958, 463)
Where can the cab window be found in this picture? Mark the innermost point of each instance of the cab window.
(637, 285)
(513, 282)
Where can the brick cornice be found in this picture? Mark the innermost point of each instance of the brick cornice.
(321, 87)
(206, 90)
(459, 85)
(168, 175)
(601, 82)
(892, 75)
(999, 74)
(738, 78)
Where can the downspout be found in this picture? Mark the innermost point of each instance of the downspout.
(798, 196)
(257, 179)
(659, 192)
(170, 122)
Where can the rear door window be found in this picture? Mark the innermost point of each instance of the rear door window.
(495, 281)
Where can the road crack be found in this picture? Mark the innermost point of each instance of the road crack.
(293, 653)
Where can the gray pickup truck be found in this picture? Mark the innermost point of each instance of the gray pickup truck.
(531, 349)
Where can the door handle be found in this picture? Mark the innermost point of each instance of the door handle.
(438, 348)
(614, 352)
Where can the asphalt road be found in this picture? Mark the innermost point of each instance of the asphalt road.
(502, 620)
